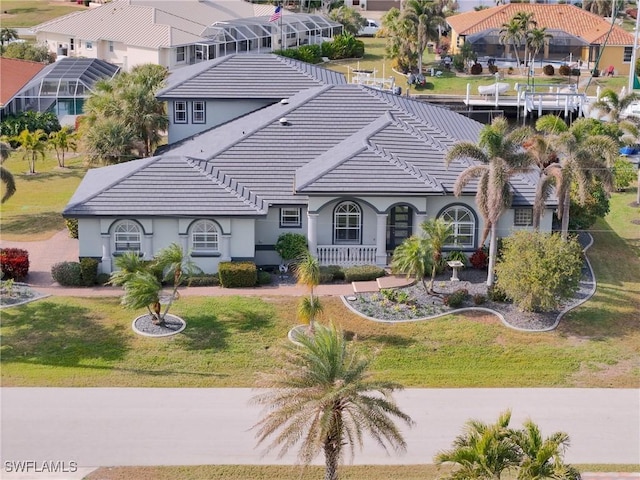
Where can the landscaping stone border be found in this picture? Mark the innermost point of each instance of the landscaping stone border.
(143, 325)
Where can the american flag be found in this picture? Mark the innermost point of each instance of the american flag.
(276, 15)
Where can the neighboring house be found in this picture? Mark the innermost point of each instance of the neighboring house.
(63, 86)
(353, 169)
(200, 97)
(178, 33)
(15, 75)
(578, 35)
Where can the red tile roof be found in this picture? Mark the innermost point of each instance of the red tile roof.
(15, 74)
(568, 18)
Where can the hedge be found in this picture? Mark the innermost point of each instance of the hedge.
(67, 274)
(363, 273)
(14, 263)
(237, 274)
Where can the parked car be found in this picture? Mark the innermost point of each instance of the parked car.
(370, 28)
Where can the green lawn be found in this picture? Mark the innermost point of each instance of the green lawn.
(34, 212)
(27, 13)
(254, 472)
(89, 342)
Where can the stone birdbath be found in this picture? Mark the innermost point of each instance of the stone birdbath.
(455, 265)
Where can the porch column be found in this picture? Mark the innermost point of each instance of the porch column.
(312, 233)
(381, 239)
(184, 241)
(147, 248)
(105, 261)
(420, 217)
(225, 247)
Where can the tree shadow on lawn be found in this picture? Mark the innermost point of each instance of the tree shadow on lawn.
(67, 172)
(204, 332)
(31, 224)
(389, 340)
(60, 335)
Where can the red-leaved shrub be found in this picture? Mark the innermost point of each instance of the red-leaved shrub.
(14, 263)
(479, 259)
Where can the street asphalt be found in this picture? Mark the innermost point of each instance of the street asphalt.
(156, 426)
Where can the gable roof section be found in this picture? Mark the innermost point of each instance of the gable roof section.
(247, 76)
(160, 186)
(568, 18)
(15, 75)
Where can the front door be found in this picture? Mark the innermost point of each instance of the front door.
(399, 226)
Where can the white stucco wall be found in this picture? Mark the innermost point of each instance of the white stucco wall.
(90, 244)
(217, 112)
(243, 238)
(268, 230)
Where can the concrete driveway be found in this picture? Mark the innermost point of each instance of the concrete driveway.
(157, 426)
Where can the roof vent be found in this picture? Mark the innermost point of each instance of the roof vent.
(284, 101)
(284, 121)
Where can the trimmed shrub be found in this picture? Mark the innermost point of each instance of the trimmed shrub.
(72, 226)
(89, 271)
(549, 70)
(237, 274)
(476, 69)
(496, 294)
(480, 259)
(624, 173)
(291, 245)
(203, 281)
(336, 270)
(564, 70)
(538, 271)
(493, 69)
(363, 273)
(103, 278)
(457, 298)
(67, 274)
(264, 278)
(14, 263)
(479, 299)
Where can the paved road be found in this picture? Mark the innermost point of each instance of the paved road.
(131, 426)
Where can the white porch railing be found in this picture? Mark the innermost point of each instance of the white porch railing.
(346, 255)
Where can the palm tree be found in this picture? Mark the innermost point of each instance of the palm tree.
(511, 34)
(175, 265)
(143, 289)
(527, 23)
(5, 175)
(323, 397)
(109, 141)
(413, 257)
(613, 107)
(126, 265)
(306, 270)
(349, 18)
(426, 19)
(582, 157)
(542, 458)
(62, 141)
(536, 39)
(7, 35)
(500, 155)
(483, 451)
(33, 145)
(400, 32)
(438, 231)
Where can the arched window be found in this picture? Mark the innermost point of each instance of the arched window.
(347, 223)
(464, 226)
(127, 236)
(205, 236)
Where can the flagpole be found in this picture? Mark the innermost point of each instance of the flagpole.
(632, 67)
(281, 30)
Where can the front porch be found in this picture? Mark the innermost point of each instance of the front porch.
(348, 255)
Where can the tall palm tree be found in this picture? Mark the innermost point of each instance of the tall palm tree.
(413, 258)
(483, 451)
(542, 458)
(498, 155)
(527, 23)
(511, 33)
(62, 141)
(536, 39)
(324, 399)
(438, 231)
(5, 175)
(613, 107)
(306, 270)
(400, 33)
(426, 19)
(582, 157)
(32, 146)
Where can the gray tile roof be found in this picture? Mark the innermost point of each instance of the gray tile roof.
(247, 76)
(337, 139)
